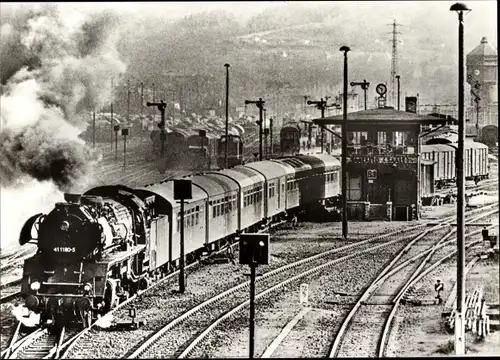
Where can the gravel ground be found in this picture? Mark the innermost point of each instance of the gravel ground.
(202, 284)
(425, 323)
(348, 278)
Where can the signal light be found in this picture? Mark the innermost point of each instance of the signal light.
(87, 287)
(254, 249)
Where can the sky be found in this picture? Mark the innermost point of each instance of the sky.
(482, 18)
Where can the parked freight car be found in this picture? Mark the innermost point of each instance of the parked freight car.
(475, 162)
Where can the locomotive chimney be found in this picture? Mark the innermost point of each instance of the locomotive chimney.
(72, 198)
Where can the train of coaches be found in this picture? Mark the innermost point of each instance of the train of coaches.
(98, 248)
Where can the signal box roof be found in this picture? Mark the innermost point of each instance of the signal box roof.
(382, 116)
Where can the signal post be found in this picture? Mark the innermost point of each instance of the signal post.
(182, 192)
(254, 251)
(321, 105)
(260, 104)
(161, 106)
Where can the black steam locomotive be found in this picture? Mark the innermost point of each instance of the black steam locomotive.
(92, 250)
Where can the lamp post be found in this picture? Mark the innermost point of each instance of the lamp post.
(398, 77)
(345, 49)
(459, 316)
(227, 114)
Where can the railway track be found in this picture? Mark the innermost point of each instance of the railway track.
(371, 322)
(41, 344)
(173, 274)
(181, 336)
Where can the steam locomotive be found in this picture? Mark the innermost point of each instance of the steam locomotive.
(98, 248)
(92, 252)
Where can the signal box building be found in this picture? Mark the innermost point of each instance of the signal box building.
(384, 167)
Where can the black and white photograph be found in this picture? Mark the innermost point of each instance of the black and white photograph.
(249, 179)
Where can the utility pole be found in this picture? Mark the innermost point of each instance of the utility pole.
(398, 77)
(112, 128)
(271, 136)
(321, 105)
(227, 115)
(345, 49)
(364, 85)
(260, 104)
(266, 133)
(128, 101)
(142, 112)
(93, 130)
(394, 60)
(161, 106)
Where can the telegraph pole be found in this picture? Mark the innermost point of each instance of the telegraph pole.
(321, 105)
(142, 112)
(398, 77)
(266, 133)
(364, 85)
(227, 115)
(93, 130)
(128, 101)
(345, 49)
(260, 104)
(161, 106)
(271, 136)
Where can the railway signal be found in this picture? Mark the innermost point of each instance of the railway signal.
(161, 106)
(254, 251)
(260, 104)
(116, 128)
(475, 93)
(182, 192)
(364, 85)
(124, 134)
(321, 105)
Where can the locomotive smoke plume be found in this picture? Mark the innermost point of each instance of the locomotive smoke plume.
(57, 66)
(26, 317)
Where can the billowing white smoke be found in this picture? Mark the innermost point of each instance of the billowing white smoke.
(105, 321)
(56, 67)
(26, 317)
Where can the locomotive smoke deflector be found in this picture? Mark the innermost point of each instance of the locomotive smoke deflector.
(25, 235)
